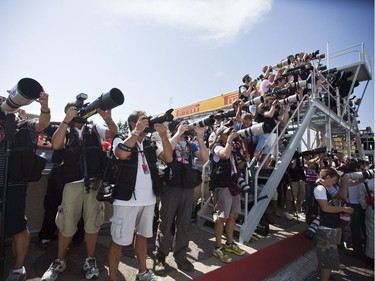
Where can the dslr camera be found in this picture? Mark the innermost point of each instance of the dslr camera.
(166, 117)
(105, 101)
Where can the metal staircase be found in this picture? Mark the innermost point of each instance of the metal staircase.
(313, 124)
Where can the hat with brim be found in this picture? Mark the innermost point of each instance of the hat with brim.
(223, 130)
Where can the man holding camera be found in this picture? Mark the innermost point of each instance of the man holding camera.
(138, 183)
(83, 167)
(329, 218)
(15, 220)
(226, 200)
(176, 199)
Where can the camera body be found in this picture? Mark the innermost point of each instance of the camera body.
(80, 101)
(105, 192)
(166, 117)
(313, 227)
(105, 101)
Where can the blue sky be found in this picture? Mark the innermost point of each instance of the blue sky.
(165, 53)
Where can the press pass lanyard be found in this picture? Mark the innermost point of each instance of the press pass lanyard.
(144, 161)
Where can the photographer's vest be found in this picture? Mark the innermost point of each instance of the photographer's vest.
(221, 171)
(331, 220)
(242, 89)
(126, 171)
(173, 175)
(24, 164)
(74, 160)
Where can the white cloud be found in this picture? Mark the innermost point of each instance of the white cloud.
(221, 20)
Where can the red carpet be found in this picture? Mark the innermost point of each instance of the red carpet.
(262, 263)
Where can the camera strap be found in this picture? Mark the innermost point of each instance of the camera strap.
(86, 179)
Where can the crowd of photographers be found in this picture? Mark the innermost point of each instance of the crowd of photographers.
(79, 180)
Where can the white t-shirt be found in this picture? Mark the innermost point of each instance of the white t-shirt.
(320, 194)
(144, 194)
(264, 86)
(353, 193)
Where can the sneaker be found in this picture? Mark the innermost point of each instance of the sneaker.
(54, 269)
(17, 276)
(147, 276)
(301, 216)
(222, 255)
(184, 265)
(90, 268)
(288, 216)
(233, 248)
(159, 266)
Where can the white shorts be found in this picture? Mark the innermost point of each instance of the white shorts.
(127, 220)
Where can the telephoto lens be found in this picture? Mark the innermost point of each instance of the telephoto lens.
(242, 183)
(208, 121)
(313, 227)
(257, 100)
(366, 174)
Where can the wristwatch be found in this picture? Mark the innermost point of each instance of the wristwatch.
(134, 133)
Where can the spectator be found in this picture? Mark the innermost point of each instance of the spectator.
(176, 201)
(366, 197)
(26, 138)
(354, 202)
(81, 174)
(133, 208)
(226, 205)
(295, 193)
(326, 235)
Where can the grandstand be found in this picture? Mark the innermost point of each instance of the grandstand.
(317, 122)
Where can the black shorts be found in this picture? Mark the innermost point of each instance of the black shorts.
(15, 217)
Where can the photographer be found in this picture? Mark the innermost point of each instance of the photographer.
(83, 167)
(227, 203)
(267, 84)
(269, 113)
(243, 122)
(26, 136)
(329, 217)
(247, 90)
(138, 185)
(176, 199)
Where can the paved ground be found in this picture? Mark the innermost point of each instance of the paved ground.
(200, 249)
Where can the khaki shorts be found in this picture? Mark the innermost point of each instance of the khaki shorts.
(299, 191)
(226, 203)
(127, 220)
(77, 202)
